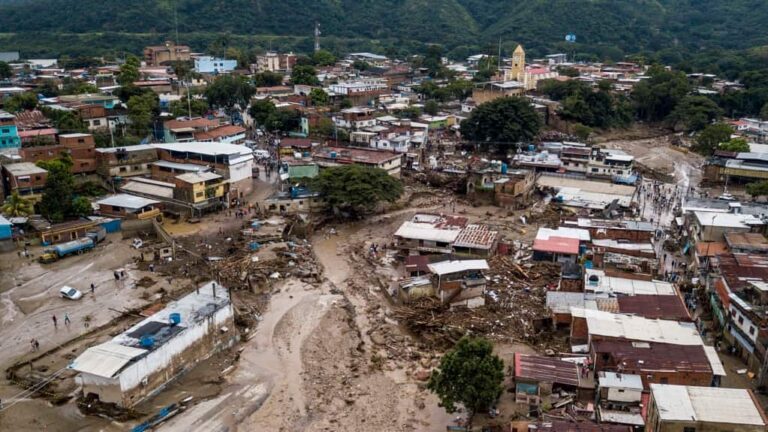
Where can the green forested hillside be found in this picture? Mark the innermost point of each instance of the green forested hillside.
(605, 28)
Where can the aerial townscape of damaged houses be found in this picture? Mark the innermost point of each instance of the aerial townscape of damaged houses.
(640, 288)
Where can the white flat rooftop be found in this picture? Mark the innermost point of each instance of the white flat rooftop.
(131, 202)
(706, 405)
(448, 267)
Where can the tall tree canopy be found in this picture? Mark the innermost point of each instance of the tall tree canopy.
(355, 190)
(229, 91)
(656, 97)
(502, 123)
(56, 204)
(470, 375)
(694, 113)
(306, 75)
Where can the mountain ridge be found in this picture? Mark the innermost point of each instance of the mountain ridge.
(615, 26)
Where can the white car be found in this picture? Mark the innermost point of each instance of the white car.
(70, 293)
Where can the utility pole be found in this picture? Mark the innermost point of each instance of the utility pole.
(317, 36)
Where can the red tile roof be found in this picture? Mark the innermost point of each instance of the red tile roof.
(554, 244)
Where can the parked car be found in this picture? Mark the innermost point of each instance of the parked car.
(70, 293)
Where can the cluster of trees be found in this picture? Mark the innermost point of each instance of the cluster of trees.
(443, 92)
(580, 103)
(270, 118)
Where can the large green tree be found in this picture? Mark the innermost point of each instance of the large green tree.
(319, 97)
(21, 102)
(694, 113)
(181, 108)
(142, 110)
(129, 71)
(306, 75)
(469, 375)
(56, 204)
(354, 190)
(736, 145)
(502, 123)
(707, 141)
(230, 91)
(267, 79)
(323, 58)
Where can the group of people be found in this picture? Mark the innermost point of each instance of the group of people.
(661, 197)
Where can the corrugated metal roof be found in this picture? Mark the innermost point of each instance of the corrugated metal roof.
(420, 231)
(448, 267)
(706, 404)
(148, 189)
(617, 380)
(641, 329)
(560, 245)
(546, 369)
(131, 202)
(105, 360)
(714, 361)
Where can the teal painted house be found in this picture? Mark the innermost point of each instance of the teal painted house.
(9, 133)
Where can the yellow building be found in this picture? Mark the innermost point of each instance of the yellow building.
(528, 76)
(197, 188)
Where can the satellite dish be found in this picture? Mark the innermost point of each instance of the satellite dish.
(570, 37)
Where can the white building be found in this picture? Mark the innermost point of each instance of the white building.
(141, 361)
(213, 65)
(366, 85)
(233, 162)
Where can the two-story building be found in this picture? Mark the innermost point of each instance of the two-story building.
(9, 133)
(184, 130)
(163, 55)
(120, 162)
(233, 162)
(201, 188)
(24, 178)
(336, 156)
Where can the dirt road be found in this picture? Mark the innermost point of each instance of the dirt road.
(308, 366)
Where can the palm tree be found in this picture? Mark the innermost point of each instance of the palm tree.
(16, 206)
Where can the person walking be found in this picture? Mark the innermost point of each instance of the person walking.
(37, 345)
(93, 288)
(55, 321)
(66, 319)
(32, 342)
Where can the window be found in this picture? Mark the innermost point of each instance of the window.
(6, 130)
(123, 169)
(741, 319)
(38, 178)
(95, 123)
(594, 170)
(663, 380)
(751, 330)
